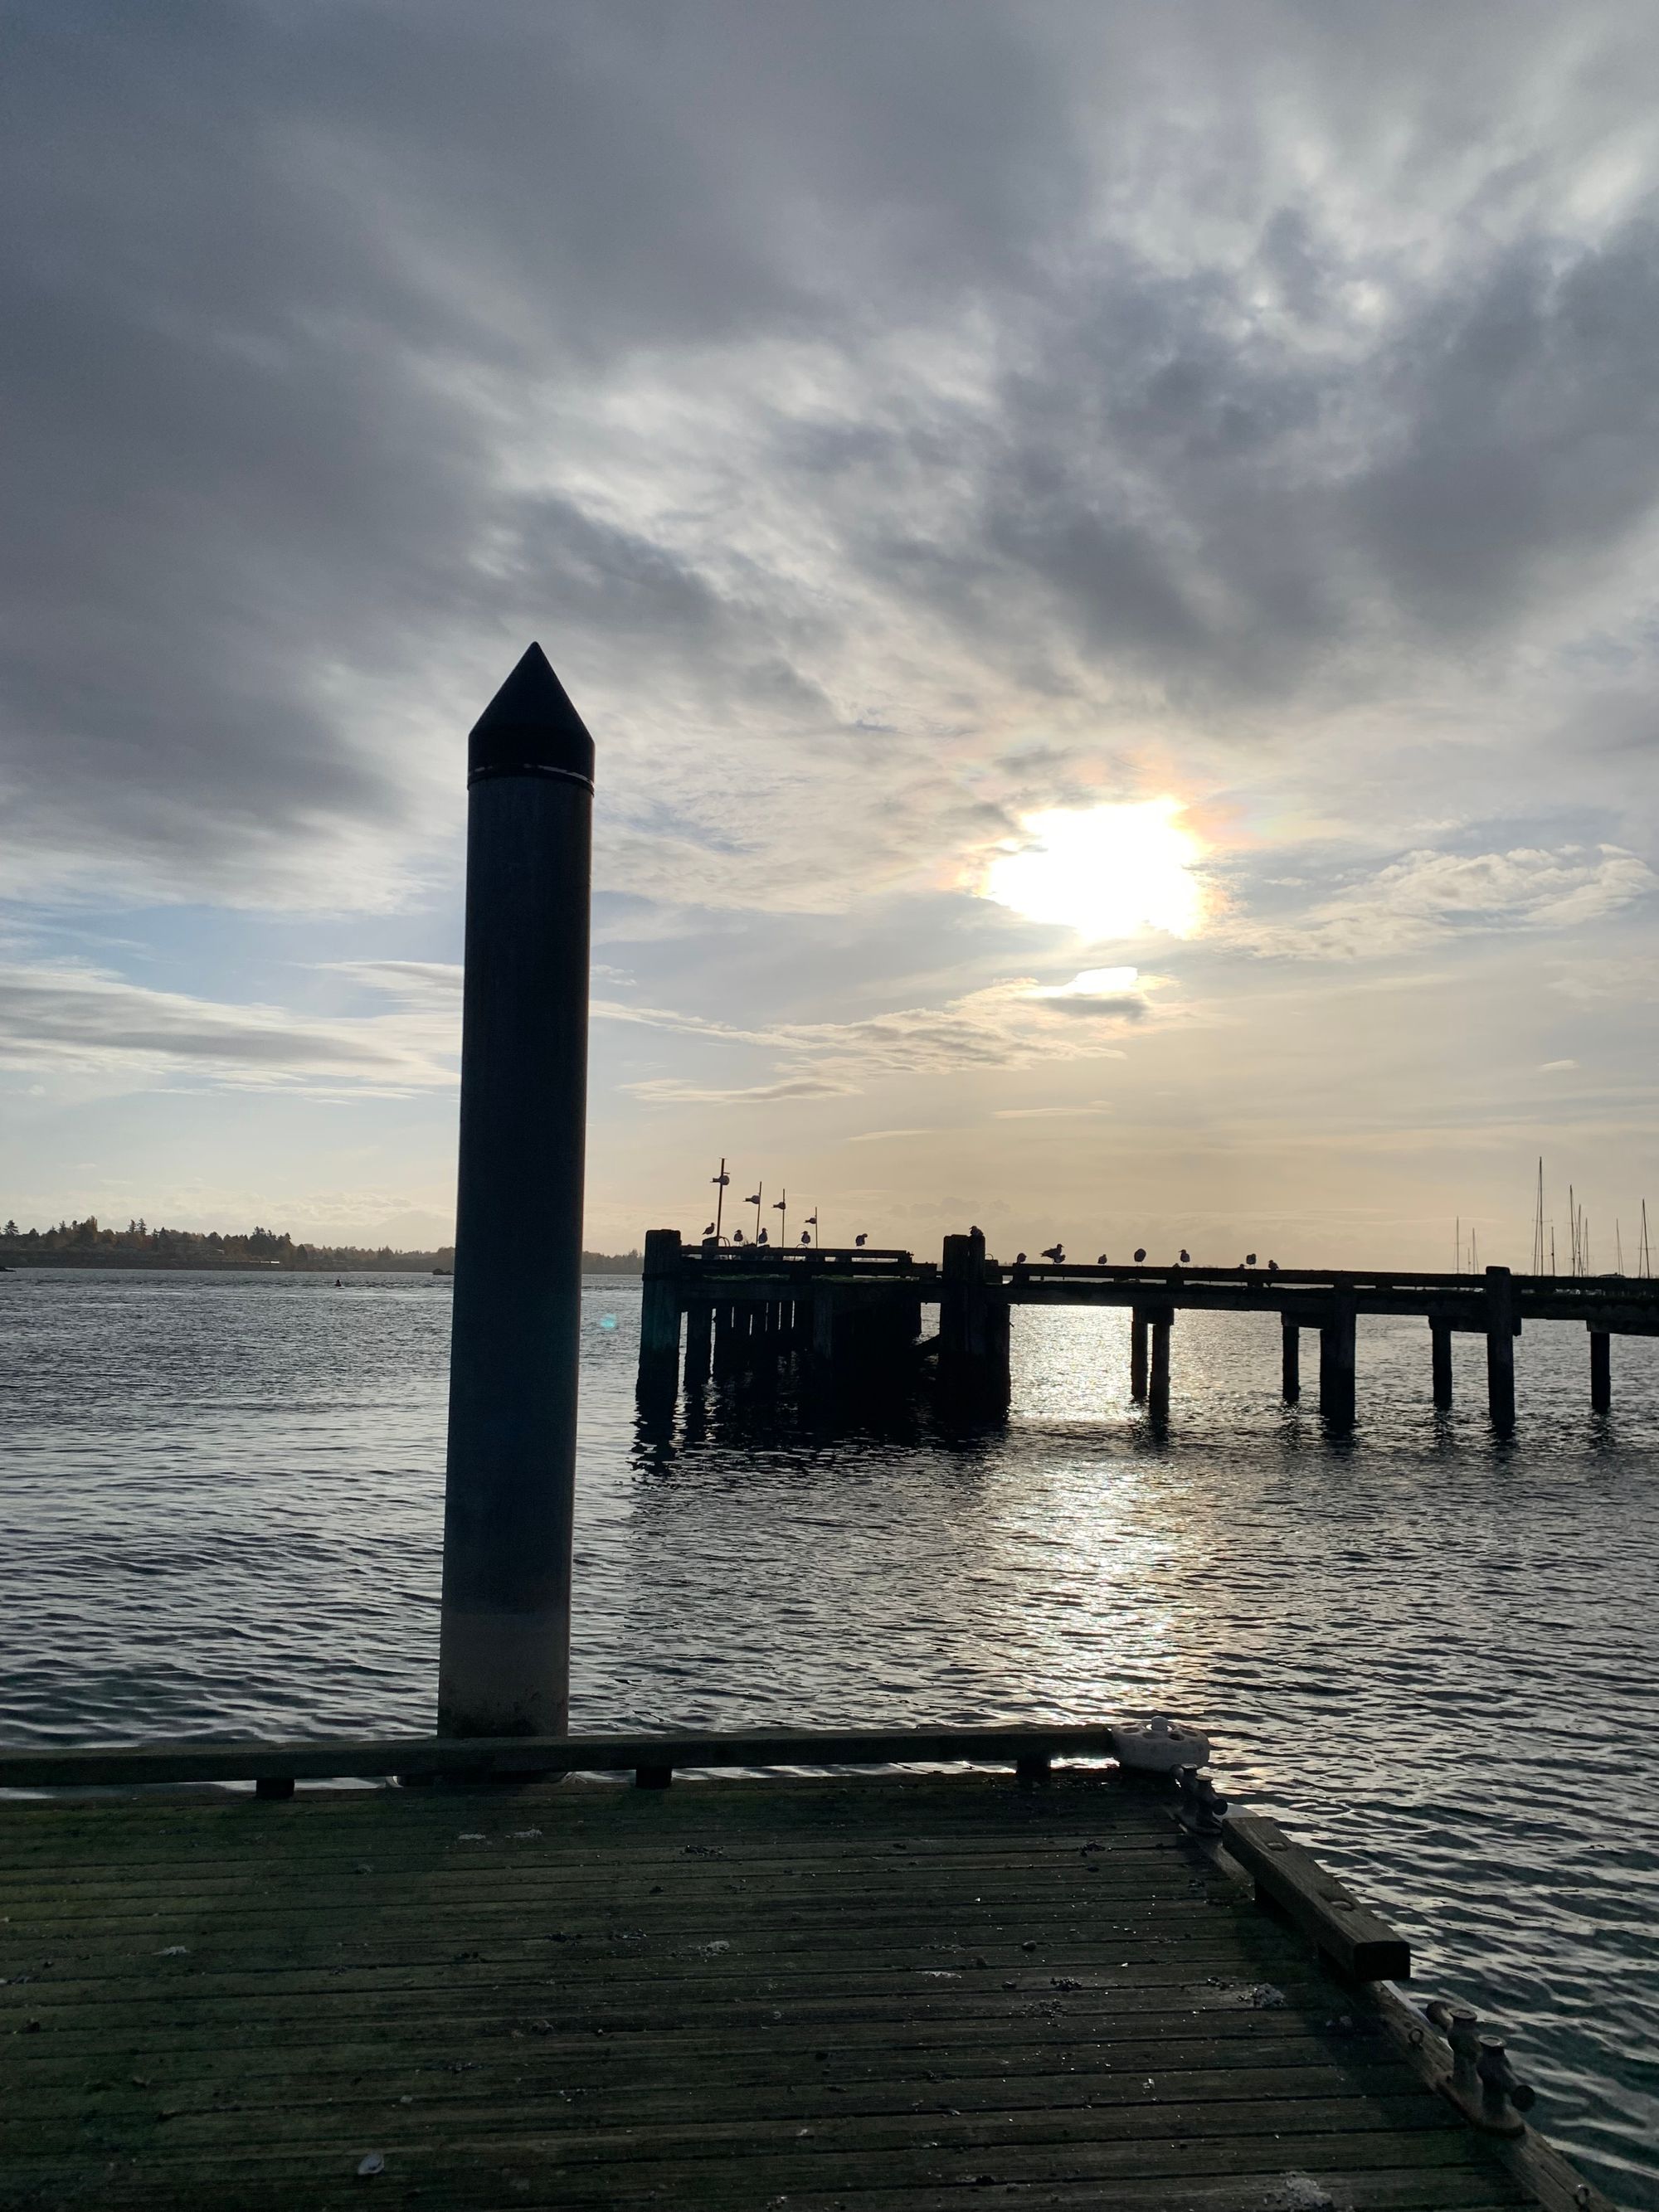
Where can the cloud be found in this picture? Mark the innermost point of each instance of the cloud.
(672, 1090)
(1050, 1113)
(81, 1021)
(1428, 898)
(893, 429)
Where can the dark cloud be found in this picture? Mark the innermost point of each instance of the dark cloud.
(842, 389)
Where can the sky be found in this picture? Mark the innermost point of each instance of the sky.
(1108, 552)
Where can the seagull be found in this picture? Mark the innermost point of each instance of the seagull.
(1272, 1266)
(761, 1239)
(805, 1236)
(859, 1240)
(1019, 1259)
(710, 1231)
(1056, 1253)
(1101, 1261)
(1250, 1259)
(737, 1236)
(1140, 1253)
(1186, 1257)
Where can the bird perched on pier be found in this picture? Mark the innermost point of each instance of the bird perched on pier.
(1140, 1253)
(861, 1238)
(805, 1236)
(737, 1236)
(710, 1231)
(1019, 1259)
(761, 1239)
(1100, 1261)
(1056, 1253)
(1272, 1266)
(1186, 1257)
(1250, 1259)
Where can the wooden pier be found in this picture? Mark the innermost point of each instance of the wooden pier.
(889, 1992)
(854, 1316)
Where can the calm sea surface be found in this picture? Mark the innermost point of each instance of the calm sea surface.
(221, 1503)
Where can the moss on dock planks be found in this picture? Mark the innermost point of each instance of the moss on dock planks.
(884, 1992)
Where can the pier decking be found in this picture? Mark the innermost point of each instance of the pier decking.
(884, 1993)
(858, 1314)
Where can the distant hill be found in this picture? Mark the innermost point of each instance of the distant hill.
(89, 1244)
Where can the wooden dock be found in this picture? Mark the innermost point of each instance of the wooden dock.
(890, 1992)
(855, 1317)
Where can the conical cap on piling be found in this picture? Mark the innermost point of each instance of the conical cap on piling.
(529, 727)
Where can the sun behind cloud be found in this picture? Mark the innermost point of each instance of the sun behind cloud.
(1105, 871)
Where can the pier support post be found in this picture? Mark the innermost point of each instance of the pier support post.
(1500, 1348)
(659, 1314)
(1336, 1363)
(699, 1343)
(1138, 1354)
(1290, 1360)
(972, 1327)
(504, 1645)
(1440, 1338)
(1157, 1391)
(1600, 1371)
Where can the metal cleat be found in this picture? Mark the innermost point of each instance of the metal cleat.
(1201, 1803)
(1504, 2095)
(1482, 2084)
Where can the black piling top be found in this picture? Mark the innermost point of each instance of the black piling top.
(531, 728)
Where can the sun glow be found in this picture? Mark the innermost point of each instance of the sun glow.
(1105, 871)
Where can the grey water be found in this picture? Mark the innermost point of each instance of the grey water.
(1431, 1653)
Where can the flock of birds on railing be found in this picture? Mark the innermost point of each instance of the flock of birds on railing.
(1056, 1254)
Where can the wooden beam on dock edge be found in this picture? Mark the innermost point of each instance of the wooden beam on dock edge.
(483, 1758)
(1359, 1943)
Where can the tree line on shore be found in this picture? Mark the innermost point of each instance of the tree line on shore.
(89, 1244)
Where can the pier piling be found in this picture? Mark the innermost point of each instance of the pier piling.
(659, 1313)
(1138, 1354)
(1158, 1392)
(1501, 1329)
(1440, 1338)
(699, 1343)
(1290, 1360)
(504, 1655)
(1336, 1363)
(1600, 1345)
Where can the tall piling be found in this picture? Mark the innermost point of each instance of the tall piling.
(972, 1327)
(659, 1314)
(1290, 1360)
(504, 1647)
(1337, 1349)
(1500, 1348)
(1601, 1346)
(1440, 1339)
